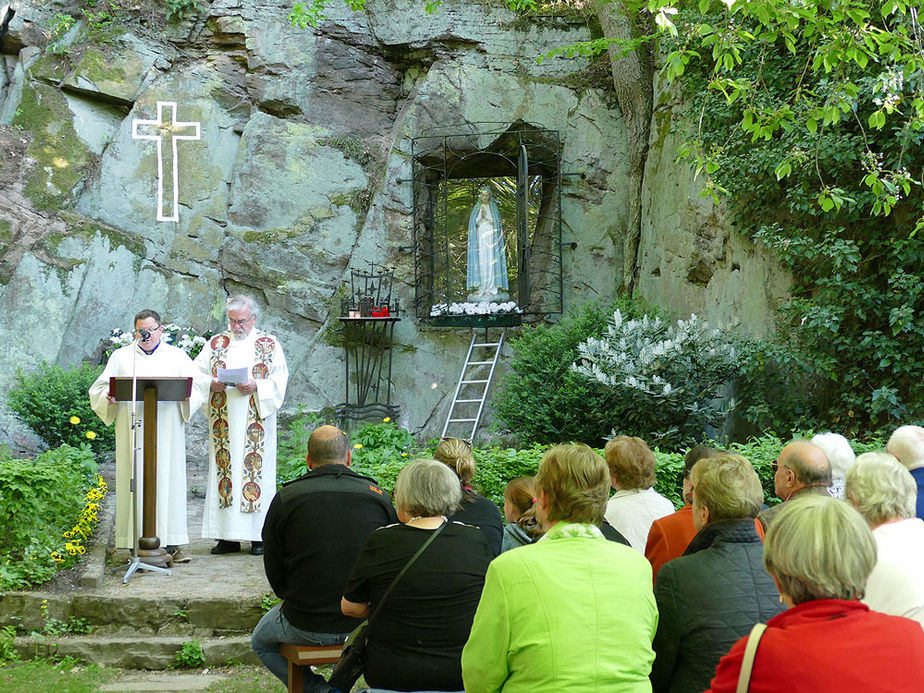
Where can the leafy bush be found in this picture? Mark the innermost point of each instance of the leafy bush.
(811, 173)
(669, 475)
(380, 450)
(8, 650)
(541, 400)
(292, 443)
(383, 448)
(761, 453)
(774, 389)
(190, 655)
(667, 379)
(53, 402)
(40, 500)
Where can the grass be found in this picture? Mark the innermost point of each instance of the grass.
(70, 676)
(61, 677)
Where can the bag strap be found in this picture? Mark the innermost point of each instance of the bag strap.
(747, 664)
(394, 582)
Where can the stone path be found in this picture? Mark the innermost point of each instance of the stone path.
(231, 576)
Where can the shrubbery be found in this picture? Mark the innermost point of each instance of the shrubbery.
(53, 402)
(666, 378)
(385, 449)
(40, 501)
(541, 400)
(836, 197)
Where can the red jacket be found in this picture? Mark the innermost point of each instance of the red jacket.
(831, 645)
(669, 537)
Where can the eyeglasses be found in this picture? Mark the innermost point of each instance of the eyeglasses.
(153, 329)
(776, 465)
(239, 323)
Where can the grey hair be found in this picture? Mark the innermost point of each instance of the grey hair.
(819, 547)
(837, 449)
(427, 488)
(728, 486)
(881, 488)
(907, 444)
(240, 301)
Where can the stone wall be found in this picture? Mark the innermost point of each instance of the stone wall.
(300, 173)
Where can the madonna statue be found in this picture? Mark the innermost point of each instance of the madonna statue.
(486, 277)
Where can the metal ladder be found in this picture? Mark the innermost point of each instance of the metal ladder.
(474, 384)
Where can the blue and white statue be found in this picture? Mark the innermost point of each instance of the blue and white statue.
(486, 278)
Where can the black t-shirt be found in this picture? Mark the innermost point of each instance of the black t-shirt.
(479, 511)
(416, 642)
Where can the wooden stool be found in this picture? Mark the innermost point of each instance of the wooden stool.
(301, 656)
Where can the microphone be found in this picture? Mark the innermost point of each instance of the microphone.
(145, 335)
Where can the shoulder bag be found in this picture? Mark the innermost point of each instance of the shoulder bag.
(750, 651)
(352, 662)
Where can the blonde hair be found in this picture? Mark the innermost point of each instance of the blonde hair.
(819, 547)
(576, 483)
(456, 454)
(521, 494)
(881, 488)
(631, 462)
(728, 486)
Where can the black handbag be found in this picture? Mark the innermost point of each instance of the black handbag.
(353, 659)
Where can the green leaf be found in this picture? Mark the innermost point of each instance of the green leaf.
(783, 170)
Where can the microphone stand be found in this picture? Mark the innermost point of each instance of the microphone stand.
(136, 563)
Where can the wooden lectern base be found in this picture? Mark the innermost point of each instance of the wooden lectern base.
(150, 552)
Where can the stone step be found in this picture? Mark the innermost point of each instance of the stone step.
(32, 611)
(150, 652)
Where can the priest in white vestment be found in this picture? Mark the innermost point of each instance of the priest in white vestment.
(241, 414)
(149, 357)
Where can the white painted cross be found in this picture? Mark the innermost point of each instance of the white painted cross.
(156, 130)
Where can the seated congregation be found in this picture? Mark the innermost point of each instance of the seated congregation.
(585, 591)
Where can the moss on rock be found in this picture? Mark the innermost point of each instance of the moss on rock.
(61, 159)
(83, 227)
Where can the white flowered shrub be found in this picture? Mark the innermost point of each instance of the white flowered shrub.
(668, 378)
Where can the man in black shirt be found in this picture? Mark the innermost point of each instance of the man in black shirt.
(314, 530)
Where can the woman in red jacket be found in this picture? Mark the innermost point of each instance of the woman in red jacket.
(820, 552)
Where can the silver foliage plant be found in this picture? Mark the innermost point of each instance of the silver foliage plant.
(669, 378)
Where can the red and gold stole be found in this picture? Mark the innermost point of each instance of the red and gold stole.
(254, 438)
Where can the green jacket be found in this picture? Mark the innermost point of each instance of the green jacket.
(572, 612)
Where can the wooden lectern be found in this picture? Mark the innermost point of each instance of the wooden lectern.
(150, 391)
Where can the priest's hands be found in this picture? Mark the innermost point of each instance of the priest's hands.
(247, 388)
(216, 386)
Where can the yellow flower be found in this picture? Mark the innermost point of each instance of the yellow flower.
(386, 419)
(75, 420)
(358, 446)
(403, 454)
(91, 435)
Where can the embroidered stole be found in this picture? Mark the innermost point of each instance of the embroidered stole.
(255, 436)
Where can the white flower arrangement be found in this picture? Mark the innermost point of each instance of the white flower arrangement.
(184, 338)
(472, 308)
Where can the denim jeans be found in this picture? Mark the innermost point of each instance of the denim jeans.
(272, 630)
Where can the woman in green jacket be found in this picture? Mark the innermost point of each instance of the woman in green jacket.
(572, 612)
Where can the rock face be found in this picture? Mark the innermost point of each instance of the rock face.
(691, 260)
(301, 171)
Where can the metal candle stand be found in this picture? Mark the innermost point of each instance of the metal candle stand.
(368, 320)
